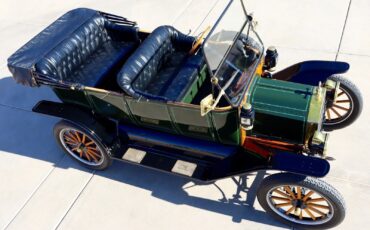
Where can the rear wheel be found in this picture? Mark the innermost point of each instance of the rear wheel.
(301, 202)
(82, 145)
(347, 107)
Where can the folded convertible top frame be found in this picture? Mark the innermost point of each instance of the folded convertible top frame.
(117, 19)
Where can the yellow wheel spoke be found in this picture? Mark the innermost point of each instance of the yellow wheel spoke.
(335, 111)
(69, 135)
(94, 150)
(299, 192)
(91, 148)
(316, 210)
(283, 204)
(308, 195)
(300, 215)
(309, 213)
(91, 155)
(289, 191)
(342, 101)
(341, 93)
(83, 138)
(282, 193)
(316, 200)
(71, 143)
(340, 107)
(328, 114)
(318, 206)
(290, 210)
(87, 156)
(78, 136)
(66, 137)
(89, 143)
(280, 198)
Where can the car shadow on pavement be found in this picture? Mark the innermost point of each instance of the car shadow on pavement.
(30, 135)
(239, 205)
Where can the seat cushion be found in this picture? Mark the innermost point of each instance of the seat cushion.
(101, 63)
(165, 75)
(184, 78)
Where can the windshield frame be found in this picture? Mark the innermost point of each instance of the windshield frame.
(248, 22)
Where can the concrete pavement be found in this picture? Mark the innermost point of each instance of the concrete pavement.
(40, 188)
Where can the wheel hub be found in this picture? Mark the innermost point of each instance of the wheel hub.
(298, 203)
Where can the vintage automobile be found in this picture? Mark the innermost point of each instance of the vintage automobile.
(206, 107)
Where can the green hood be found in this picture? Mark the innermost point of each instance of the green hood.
(285, 110)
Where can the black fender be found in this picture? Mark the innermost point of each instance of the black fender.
(104, 129)
(311, 72)
(299, 164)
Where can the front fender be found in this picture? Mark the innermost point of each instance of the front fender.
(300, 164)
(311, 72)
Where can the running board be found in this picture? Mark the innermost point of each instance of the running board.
(187, 164)
(167, 162)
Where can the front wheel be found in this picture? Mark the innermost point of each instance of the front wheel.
(301, 202)
(347, 107)
(82, 145)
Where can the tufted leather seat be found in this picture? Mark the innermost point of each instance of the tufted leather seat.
(161, 67)
(91, 52)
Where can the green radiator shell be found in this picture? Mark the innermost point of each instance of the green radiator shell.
(281, 108)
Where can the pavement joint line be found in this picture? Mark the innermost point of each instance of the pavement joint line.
(209, 12)
(182, 12)
(354, 54)
(75, 200)
(16, 108)
(33, 193)
(343, 30)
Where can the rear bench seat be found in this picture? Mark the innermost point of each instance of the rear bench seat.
(91, 52)
(161, 68)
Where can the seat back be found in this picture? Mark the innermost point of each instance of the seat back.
(71, 53)
(65, 58)
(144, 64)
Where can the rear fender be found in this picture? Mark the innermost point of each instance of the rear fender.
(105, 129)
(311, 72)
(300, 164)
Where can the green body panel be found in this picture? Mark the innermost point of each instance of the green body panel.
(227, 126)
(174, 118)
(110, 105)
(72, 96)
(282, 108)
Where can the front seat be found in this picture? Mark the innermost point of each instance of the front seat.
(161, 67)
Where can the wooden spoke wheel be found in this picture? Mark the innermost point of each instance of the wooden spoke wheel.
(301, 202)
(341, 109)
(346, 108)
(82, 145)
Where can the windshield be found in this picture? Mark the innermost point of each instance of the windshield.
(233, 50)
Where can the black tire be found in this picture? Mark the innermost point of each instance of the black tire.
(335, 203)
(63, 128)
(354, 96)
